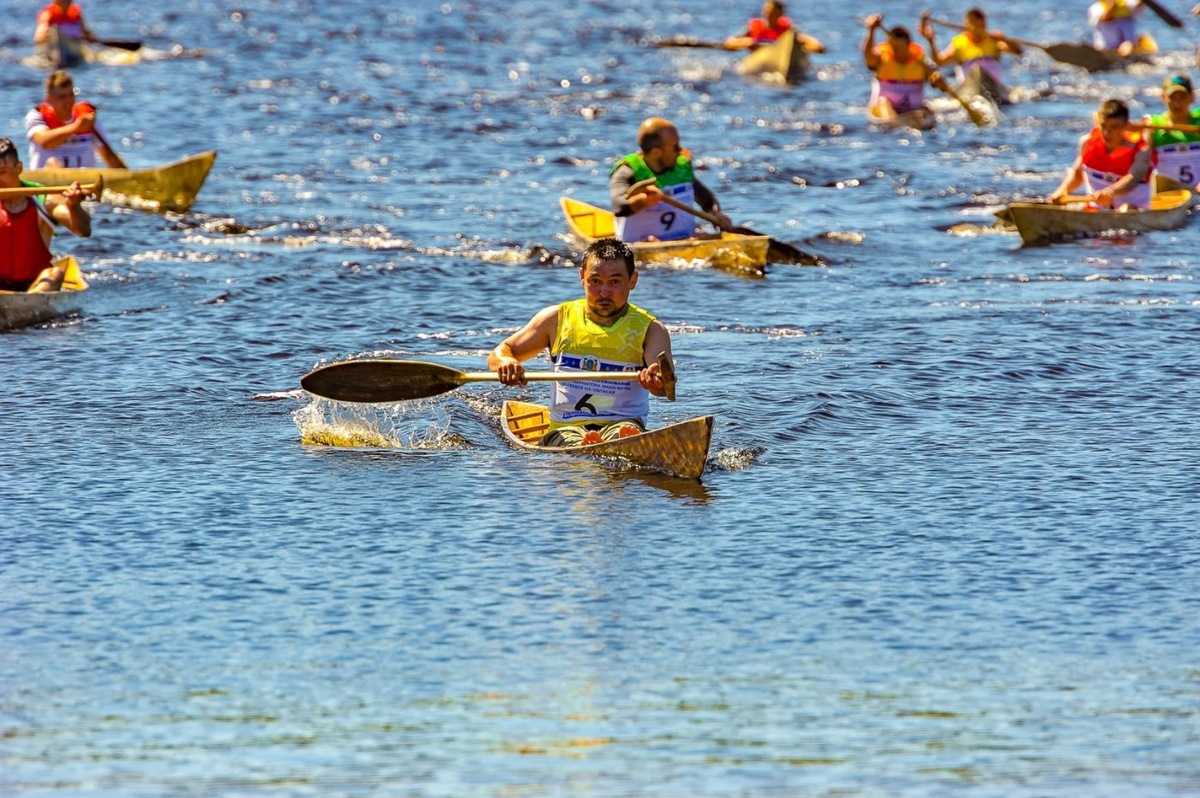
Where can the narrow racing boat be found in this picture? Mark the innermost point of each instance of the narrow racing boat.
(734, 252)
(60, 51)
(19, 309)
(782, 61)
(979, 83)
(172, 187)
(885, 118)
(1043, 223)
(678, 449)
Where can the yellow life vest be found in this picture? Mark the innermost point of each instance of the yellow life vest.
(966, 49)
(892, 71)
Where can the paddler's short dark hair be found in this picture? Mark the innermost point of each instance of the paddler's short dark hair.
(8, 150)
(1113, 109)
(976, 13)
(611, 249)
(900, 32)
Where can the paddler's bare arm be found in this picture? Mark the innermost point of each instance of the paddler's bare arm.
(52, 138)
(620, 183)
(1137, 174)
(67, 209)
(868, 46)
(1072, 181)
(657, 340)
(927, 30)
(527, 342)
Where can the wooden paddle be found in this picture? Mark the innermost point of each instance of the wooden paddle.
(974, 113)
(131, 45)
(1180, 128)
(680, 40)
(1080, 55)
(32, 191)
(120, 162)
(383, 381)
(1163, 14)
(777, 251)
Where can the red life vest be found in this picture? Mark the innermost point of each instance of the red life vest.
(55, 15)
(23, 251)
(761, 31)
(52, 120)
(1095, 154)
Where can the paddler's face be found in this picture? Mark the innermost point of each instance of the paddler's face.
(606, 286)
(1178, 102)
(61, 99)
(10, 173)
(663, 157)
(1113, 130)
(976, 26)
(899, 48)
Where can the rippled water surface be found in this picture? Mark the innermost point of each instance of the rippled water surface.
(945, 543)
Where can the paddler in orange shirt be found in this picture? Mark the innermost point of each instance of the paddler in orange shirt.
(900, 72)
(1114, 163)
(769, 28)
(66, 18)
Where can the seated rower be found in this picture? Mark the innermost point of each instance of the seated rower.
(641, 214)
(602, 331)
(975, 50)
(1178, 151)
(769, 28)
(63, 131)
(900, 72)
(1114, 24)
(26, 227)
(1115, 164)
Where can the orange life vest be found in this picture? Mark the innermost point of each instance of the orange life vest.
(55, 15)
(52, 120)
(761, 31)
(892, 71)
(1096, 155)
(23, 251)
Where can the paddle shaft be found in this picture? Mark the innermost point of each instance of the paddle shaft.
(1179, 128)
(955, 26)
(551, 376)
(1163, 14)
(33, 191)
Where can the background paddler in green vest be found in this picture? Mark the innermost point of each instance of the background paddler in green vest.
(638, 205)
(1175, 134)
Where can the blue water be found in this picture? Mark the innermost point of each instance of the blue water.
(945, 544)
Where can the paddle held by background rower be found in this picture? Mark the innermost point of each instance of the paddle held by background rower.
(777, 251)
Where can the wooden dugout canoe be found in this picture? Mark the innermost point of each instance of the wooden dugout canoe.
(66, 52)
(1042, 223)
(678, 449)
(782, 61)
(733, 252)
(172, 187)
(918, 119)
(19, 309)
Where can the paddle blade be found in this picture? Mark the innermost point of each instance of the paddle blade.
(381, 381)
(1081, 55)
(121, 44)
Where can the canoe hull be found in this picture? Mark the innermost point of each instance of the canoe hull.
(678, 449)
(1040, 223)
(782, 61)
(19, 309)
(172, 187)
(886, 119)
(742, 254)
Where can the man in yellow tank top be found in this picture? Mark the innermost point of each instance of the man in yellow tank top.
(975, 52)
(900, 71)
(602, 331)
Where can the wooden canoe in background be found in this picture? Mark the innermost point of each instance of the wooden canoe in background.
(919, 119)
(679, 449)
(1042, 223)
(782, 61)
(172, 187)
(66, 52)
(19, 309)
(741, 254)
